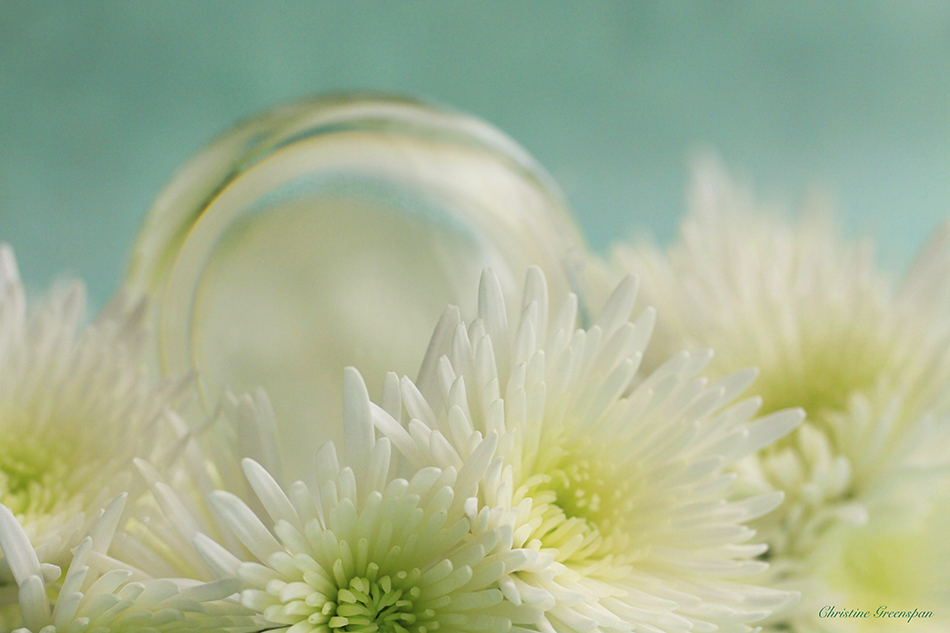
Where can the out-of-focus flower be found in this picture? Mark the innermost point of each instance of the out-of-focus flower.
(101, 595)
(626, 490)
(363, 551)
(827, 331)
(75, 409)
(159, 532)
(898, 562)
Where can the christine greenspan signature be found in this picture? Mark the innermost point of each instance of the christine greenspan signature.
(830, 611)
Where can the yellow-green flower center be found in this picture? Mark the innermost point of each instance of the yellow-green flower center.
(825, 382)
(827, 361)
(368, 606)
(587, 500)
(590, 489)
(338, 603)
(887, 567)
(34, 476)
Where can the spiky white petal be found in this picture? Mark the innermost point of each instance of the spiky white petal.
(163, 525)
(624, 489)
(98, 594)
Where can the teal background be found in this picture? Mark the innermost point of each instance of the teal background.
(100, 102)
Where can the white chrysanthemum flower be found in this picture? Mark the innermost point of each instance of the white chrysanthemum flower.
(625, 489)
(75, 409)
(160, 529)
(361, 551)
(869, 365)
(897, 561)
(100, 595)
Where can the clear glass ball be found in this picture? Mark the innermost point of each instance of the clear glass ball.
(333, 232)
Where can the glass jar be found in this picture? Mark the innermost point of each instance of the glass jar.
(333, 232)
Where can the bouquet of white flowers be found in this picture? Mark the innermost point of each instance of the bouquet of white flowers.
(745, 430)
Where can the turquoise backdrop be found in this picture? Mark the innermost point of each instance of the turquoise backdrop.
(101, 101)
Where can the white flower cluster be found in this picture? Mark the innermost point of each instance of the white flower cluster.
(865, 477)
(541, 474)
